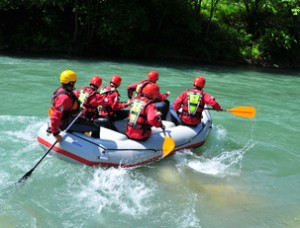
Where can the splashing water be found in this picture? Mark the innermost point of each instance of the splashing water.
(226, 164)
(119, 190)
(189, 217)
(18, 143)
(221, 132)
(13, 128)
(183, 190)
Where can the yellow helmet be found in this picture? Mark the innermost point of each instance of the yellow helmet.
(68, 76)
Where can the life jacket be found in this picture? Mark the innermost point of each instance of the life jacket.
(106, 90)
(84, 97)
(193, 105)
(75, 107)
(106, 110)
(137, 114)
(140, 87)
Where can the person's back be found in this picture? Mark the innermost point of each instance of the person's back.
(161, 102)
(90, 98)
(192, 101)
(136, 89)
(143, 114)
(113, 110)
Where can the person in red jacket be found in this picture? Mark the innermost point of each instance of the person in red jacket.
(113, 110)
(144, 114)
(65, 105)
(192, 101)
(161, 101)
(137, 88)
(90, 99)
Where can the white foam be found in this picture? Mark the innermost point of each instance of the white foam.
(189, 218)
(228, 163)
(117, 190)
(18, 128)
(221, 132)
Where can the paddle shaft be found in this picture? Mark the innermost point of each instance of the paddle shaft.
(208, 108)
(28, 174)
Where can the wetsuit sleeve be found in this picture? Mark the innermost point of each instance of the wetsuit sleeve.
(115, 104)
(57, 113)
(114, 101)
(209, 100)
(152, 116)
(162, 97)
(122, 105)
(130, 90)
(102, 100)
(179, 100)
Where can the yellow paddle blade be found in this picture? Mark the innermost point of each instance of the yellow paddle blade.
(243, 111)
(50, 111)
(168, 145)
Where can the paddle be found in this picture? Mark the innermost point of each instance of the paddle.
(28, 174)
(241, 111)
(168, 144)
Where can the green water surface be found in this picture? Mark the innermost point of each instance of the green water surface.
(246, 175)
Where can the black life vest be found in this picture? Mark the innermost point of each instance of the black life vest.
(75, 107)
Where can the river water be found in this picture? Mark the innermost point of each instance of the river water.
(246, 175)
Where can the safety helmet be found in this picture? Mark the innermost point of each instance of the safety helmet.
(96, 81)
(199, 81)
(153, 76)
(68, 76)
(151, 90)
(116, 79)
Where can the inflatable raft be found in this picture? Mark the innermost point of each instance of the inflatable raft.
(113, 148)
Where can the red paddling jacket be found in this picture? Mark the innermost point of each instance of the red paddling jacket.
(192, 102)
(64, 108)
(90, 100)
(138, 89)
(114, 105)
(143, 115)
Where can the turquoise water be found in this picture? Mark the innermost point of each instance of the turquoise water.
(246, 175)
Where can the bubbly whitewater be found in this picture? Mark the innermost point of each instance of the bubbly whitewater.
(247, 173)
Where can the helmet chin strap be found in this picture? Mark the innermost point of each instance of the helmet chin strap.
(114, 86)
(198, 87)
(69, 86)
(93, 87)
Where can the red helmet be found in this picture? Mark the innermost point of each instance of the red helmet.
(151, 90)
(116, 79)
(199, 81)
(96, 81)
(153, 76)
